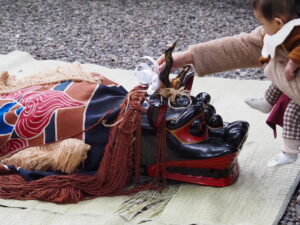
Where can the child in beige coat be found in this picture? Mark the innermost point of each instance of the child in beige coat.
(278, 41)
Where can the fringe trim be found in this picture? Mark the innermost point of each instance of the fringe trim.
(146, 203)
(72, 71)
(65, 156)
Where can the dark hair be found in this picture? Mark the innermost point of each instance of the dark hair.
(275, 8)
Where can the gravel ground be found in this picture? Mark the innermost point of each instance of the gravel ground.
(117, 33)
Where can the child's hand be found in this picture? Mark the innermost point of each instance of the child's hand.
(180, 59)
(291, 69)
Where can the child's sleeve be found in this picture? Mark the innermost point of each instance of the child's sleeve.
(228, 53)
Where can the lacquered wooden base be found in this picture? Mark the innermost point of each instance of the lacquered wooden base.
(218, 172)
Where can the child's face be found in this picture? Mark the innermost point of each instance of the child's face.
(270, 26)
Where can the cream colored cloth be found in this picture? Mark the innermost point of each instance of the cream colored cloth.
(259, 197)
(274, 71)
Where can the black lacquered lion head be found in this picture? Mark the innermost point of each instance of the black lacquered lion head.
(190, 120)
(202, 149)
(187, 117)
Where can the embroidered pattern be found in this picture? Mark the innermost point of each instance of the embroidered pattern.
(38, 109)
(24, 115)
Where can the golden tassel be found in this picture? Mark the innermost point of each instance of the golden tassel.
(65, 156)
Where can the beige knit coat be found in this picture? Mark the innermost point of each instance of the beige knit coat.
(243, 51)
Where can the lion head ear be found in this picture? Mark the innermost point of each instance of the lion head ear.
(178, 81)
(165, 73)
